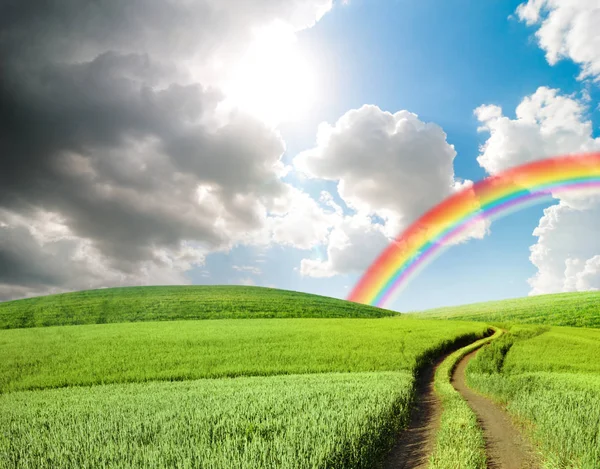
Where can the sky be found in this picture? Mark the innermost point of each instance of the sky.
(286, 143)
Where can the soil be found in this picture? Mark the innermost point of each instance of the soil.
(415, 444)
(506, 448)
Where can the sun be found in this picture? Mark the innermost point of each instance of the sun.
(274, 80)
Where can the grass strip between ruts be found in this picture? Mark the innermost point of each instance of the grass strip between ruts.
(459, 440)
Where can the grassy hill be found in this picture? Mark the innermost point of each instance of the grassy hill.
(326, 384)
(563, 309)
(134, 304)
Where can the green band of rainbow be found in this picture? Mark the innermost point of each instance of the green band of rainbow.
(491, 197)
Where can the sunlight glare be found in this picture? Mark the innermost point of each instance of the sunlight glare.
(274, 81)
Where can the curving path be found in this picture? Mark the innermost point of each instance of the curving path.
(506, 448)
(415, 444)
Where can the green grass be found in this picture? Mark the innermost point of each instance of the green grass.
(549, 380)
(559, 349)
(459, 440)
(128, 395)
(49, 357)
(563, 309)
(301, 421)
(113, 305)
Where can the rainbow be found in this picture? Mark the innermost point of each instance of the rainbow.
(448, 222)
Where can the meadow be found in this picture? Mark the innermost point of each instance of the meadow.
(136, 377)
(133, 304)
(134, 391)
(298, 421)
(563, 309)
(61, 356)
(549, 380)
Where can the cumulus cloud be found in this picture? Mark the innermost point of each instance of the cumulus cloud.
(550, 124)
(546, 124)
(588, 278)
(567, 29)
(40, 255)
(353, 244)
(389, 169)
(303, 223)
(111, 122)
(567, 252)
(392, 165)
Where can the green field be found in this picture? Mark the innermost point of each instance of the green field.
(113, 305)
(303, 421)
(135, 377)
(60, 356)
(563, 309)
(549, 380)
(288, 392)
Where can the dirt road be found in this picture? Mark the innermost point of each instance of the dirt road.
(505, 447)
(415, 444)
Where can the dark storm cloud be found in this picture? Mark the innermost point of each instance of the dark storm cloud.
(22, 262)
(83, 29)
(95, 110)
(99, 125)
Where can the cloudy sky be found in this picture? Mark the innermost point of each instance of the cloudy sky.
(285, 142)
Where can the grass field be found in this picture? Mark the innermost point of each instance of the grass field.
(286, 392)
(98, 354)
(113, 305)
(302, 421)
(549, 379)
(563, 309)
(131, 377)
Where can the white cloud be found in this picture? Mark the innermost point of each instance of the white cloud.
(247, 268)
(550, 124)
(546, 124)
(40, 255)
(388, 167)
(247, 281)
(302, 223)
(567, 29)
(353, 244)
(588, 278)
(392, 165)
(567, 252)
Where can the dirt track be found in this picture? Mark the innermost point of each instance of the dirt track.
(415, 444)
(505, 447)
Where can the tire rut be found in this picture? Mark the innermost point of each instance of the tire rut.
(506, 448)
(415, 444)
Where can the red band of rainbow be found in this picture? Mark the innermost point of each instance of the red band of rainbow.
(492, 197)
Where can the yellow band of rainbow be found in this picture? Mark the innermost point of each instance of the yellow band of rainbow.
(493, 196)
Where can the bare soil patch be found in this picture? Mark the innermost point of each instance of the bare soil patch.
(506, 448)
(415, 444)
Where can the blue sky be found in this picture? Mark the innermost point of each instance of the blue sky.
(439, 60)
(285, 143)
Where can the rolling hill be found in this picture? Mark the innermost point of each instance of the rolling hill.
(562, 309)
(135, 377)
(165, 303)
